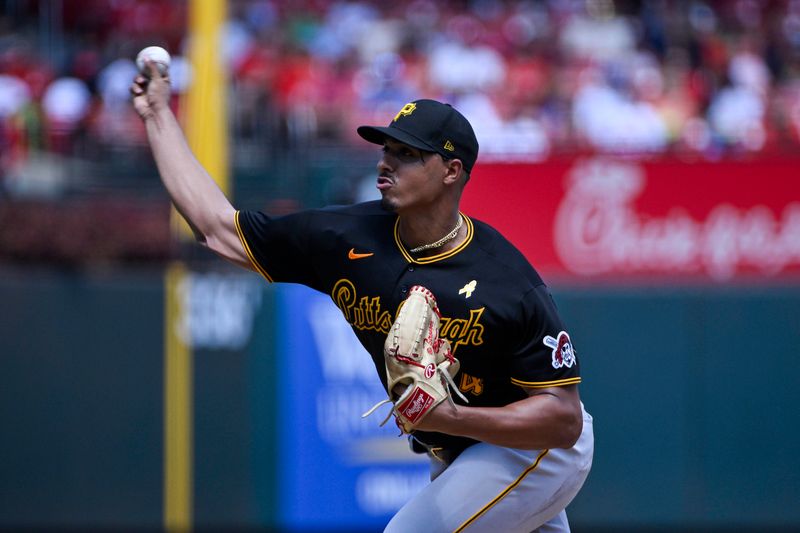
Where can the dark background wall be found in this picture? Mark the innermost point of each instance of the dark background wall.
(80, 399)
(693, 394)
(692, 389)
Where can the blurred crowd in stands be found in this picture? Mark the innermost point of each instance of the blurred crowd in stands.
(538, 79)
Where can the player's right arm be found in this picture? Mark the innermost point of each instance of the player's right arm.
(194, 193)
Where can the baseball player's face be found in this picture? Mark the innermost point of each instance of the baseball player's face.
(407, 177)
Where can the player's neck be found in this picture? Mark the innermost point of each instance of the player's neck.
(423, 237)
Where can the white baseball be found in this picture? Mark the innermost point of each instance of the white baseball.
(157, 55)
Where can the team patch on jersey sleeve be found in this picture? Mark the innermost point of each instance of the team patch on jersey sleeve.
(563, 353)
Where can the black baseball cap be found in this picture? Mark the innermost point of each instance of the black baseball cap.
(431, 126)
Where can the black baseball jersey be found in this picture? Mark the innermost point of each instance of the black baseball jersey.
(497, 313)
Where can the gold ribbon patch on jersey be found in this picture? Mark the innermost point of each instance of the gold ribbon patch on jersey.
(468, 289)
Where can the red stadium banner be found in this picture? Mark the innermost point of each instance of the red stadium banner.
(614, 219)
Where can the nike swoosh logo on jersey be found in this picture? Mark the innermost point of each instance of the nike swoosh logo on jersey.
(352, 255)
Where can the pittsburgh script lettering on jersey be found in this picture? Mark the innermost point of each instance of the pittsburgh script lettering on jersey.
(366, 313)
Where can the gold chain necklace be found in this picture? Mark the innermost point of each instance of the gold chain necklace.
(447, 238)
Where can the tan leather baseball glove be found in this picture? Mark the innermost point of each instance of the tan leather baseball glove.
(419, 364)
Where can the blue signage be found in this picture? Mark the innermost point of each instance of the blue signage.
(336, 469)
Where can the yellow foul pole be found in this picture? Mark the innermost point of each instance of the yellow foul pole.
(178, 454)
(203, 114)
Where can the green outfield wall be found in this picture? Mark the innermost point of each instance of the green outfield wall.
(693, 390)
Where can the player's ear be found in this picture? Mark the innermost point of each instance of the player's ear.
(453, 170)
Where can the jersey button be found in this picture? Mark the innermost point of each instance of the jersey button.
(411, 268)
(404, 289)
